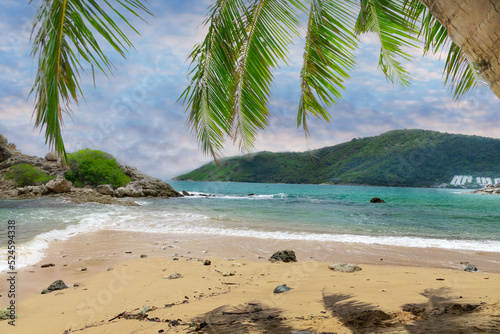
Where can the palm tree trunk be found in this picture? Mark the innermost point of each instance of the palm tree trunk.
(474, 25)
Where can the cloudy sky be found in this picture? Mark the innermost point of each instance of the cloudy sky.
(136, 117)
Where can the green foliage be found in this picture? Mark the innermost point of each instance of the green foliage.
(66, 35)
(412, 158)
(27, 175)
(92, 167)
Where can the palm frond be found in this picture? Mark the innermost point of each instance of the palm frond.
(207, 97)
(269, 28)
(390, 20)
(328, 58)
(461, 74)
(64, 34)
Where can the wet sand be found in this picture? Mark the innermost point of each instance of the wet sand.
(400, 290)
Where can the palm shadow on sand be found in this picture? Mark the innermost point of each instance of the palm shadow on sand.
(243, 319)
(440, 314)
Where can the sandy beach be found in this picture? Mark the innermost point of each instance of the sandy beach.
(398, 290)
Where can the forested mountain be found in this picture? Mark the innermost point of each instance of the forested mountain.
(417, 158)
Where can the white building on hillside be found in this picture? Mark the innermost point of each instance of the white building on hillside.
(461, 180)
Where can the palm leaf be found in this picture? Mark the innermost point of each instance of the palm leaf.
(391, 21)
(269, 25)
(214, 60)
(64, 34)
(461, 74)
(328, 58)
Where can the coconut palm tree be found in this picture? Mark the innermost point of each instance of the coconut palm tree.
(232, 69)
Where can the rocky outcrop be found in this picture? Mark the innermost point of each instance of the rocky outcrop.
(86, 195)
(489, 190)
(145, 185)
(142, 185)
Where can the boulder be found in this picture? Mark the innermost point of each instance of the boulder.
(376, 200)
(134, 189)
(39, 190)
(51, 156)
(59, 186)
(57, 285)
(120, 192)
(344, 267)
(106, 189)
(283, 256)
(185, 193)
(151, 186)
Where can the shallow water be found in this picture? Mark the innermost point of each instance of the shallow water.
(442, 218)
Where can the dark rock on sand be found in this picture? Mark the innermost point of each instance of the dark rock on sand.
(377, 200)
(281, 289)
(143, 256)
(470, 267)
(47, 265)
(283, 256)
(344, 267)
(57, 285)
(207, 262)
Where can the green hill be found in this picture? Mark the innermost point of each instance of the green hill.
(413, 158)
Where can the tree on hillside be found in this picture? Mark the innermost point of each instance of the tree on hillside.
(232, 68)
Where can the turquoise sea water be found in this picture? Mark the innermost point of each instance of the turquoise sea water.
(412, 217)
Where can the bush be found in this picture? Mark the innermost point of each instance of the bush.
(92, 167)
(27, 175)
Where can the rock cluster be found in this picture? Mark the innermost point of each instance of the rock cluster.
(490, 189)
(142, 185)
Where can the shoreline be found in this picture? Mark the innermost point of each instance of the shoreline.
(100, 250)
(393, 295)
